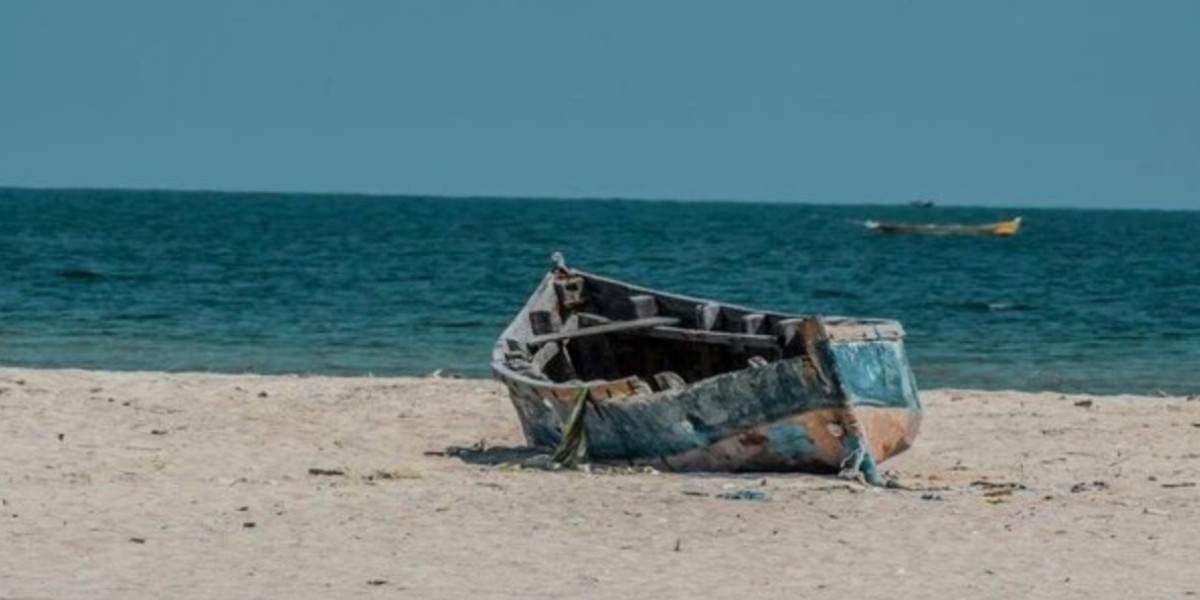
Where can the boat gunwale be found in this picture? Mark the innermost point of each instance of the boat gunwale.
(501, 368)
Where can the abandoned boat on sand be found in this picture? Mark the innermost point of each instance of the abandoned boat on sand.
(616, 372)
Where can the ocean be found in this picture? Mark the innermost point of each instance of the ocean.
(1080, 301)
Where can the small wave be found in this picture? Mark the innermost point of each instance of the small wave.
(458, 324)
(80, 274)
(142, 316)
(990, 307)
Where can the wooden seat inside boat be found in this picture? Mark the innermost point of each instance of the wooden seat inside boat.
(608, 333)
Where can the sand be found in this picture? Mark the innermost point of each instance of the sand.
(136, 485)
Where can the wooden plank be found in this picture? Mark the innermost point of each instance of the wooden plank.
(669, 380)
(544, 356)
(752, 323)
(855, 331)
(707, 315)
(644, 306)
(711, 337)
(541, 322)
(614, 327)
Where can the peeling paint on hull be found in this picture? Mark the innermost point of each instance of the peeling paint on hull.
(772, 418)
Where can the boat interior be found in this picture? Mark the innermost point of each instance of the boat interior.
(586, 328)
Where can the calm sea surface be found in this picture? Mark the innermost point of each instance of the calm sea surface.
(1099, 301)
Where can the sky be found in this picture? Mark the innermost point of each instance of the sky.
(1085, 103)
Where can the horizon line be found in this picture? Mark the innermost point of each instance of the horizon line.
(510, 197)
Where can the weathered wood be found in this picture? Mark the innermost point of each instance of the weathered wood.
(544, 355)
(613, 327)
(851, 331)
(669, 380)
(689, 335)
(541, 322)
(752, 322)
(711, 337)
(788, 331)
(569, 291)
(644, 306)
(707, 315)
(589, 319)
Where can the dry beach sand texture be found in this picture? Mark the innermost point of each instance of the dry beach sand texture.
(188, 485)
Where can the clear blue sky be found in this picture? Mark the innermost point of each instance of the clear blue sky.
(1017, 102)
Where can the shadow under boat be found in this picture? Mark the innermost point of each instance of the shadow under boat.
(633, 375)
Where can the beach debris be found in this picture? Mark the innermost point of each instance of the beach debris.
(1156, 512)
(695, 493)
(394, 474)
(137, 540)
(996, 492)
(249, 525)
(1084, 403)
(677, 544)
(376, 582)
(989, 486)
(326, 472)
(1161, 394)
(158, 432)
(932, 496)
(262, 394)
(1089, 486)
(1180, 484)
(61, 436)
(744, 494)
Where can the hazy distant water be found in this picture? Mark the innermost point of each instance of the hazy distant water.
(1080, 300)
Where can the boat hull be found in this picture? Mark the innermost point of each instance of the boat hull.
(789, 415)
(1002, 229)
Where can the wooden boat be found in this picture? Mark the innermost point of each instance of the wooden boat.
(921, 203)
(1004, 228)
(628, 374)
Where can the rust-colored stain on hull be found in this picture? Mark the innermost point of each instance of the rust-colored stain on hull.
(813, 441)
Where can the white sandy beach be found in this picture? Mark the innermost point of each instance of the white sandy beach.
(135, 485)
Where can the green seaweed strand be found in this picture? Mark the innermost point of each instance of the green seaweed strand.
(572, 449)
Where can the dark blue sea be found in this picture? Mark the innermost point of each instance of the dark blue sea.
(1096, 301)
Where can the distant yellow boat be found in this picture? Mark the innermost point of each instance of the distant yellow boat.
(1003, 229)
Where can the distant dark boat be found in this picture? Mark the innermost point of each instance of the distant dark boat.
(922, 203)
(629, 374)
(1004, 228)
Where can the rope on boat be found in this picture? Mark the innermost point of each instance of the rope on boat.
(857, 460)
(572, 449)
